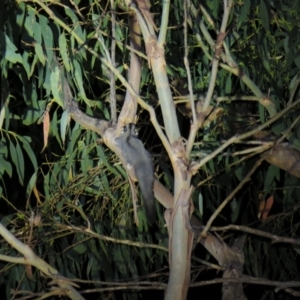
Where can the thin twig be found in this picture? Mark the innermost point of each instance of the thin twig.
(275, 238)
(229, 197)
(218, 51)
(113, 105)
(186, 61)
(238, 138)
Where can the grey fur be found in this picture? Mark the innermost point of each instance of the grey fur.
(139, 159)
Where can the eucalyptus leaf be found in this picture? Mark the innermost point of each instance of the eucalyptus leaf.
(56, 86)
(5, 166)
(29, 151)
(40, 53)
(9, 52)
(18, 160)
(64, 51)
(64, 122)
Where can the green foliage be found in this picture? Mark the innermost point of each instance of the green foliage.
(76, 182)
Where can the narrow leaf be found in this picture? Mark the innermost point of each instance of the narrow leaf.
(56, 86)
(264, 15)
(64, 51)
(40, 53)
(64, 121)
(5, 166)
(269, 204)
(21, 163)
(18, 160)
(79, 80)
(46, 128)
(29, 151)
(31, 186)
(9, 51)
